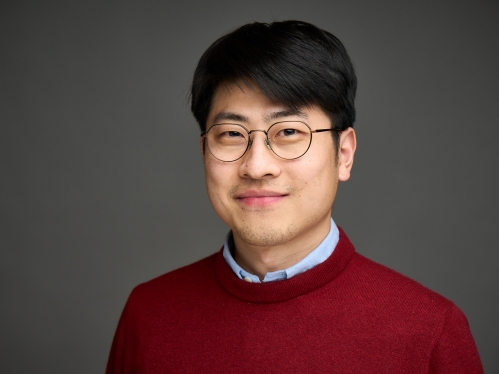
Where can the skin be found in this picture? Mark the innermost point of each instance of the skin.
(278, 210)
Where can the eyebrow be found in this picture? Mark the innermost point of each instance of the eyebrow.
(289, 112)
(231, 116)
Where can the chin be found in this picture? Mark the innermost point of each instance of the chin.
(263, 235)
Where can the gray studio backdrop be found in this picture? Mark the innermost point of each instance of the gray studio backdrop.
(101, 180)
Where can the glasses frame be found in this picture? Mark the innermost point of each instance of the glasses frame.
(267, 142)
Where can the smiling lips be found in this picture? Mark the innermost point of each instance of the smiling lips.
(260, 197)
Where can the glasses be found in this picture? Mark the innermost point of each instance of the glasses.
(288, 140)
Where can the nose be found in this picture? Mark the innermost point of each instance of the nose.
(259, 161)
(265, 140)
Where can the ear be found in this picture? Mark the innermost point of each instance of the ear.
(347, 146)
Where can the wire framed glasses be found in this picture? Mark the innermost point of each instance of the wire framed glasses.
(288, 140)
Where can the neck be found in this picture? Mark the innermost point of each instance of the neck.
(260, 260)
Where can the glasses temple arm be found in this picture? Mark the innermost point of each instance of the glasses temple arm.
(323, 130)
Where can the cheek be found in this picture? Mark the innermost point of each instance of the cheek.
(218, 184)
(318, 179)
(213, 180)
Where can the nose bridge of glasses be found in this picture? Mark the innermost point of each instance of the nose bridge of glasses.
(266, 140)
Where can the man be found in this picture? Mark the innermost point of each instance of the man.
(287, 293)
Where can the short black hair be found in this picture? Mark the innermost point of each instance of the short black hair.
(294, 63)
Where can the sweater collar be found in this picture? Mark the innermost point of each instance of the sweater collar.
(314, 258)
(300, 284)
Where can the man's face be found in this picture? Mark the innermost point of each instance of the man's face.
(268, 201)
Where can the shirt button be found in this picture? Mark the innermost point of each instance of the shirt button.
(248, 279)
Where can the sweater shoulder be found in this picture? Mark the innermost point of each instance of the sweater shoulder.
(390, 285)
(187, 280)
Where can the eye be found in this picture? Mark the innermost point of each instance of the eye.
(232, 134)
(228, 135)
(288, 132)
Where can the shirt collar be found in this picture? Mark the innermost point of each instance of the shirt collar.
(314, 258)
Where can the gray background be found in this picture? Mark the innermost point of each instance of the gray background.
(101, 180)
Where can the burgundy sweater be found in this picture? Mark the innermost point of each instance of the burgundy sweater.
(346, 315)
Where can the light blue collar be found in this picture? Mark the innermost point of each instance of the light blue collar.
(314, 258)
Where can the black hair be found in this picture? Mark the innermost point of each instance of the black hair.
(294, 63)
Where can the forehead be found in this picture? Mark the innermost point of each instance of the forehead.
(239, 98)
(246, 103)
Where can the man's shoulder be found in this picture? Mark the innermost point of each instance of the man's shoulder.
(407, 308)
(179, 282)
(390, 287)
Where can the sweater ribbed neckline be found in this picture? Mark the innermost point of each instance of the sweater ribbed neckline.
(279, 291)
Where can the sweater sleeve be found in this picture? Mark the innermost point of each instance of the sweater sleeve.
(454, 349)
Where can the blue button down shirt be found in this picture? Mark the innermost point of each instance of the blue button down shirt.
(314, 258)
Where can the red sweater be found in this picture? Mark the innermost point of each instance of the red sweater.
(346, 315)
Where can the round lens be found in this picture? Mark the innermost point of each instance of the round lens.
(227, 142)
(290, 140)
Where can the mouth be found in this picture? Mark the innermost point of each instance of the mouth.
(260, 198)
